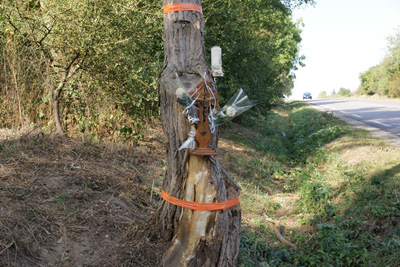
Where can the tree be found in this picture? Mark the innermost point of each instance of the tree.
(115, 52)
(96, 62)
(43, 24)
(383, 78)
(394, 49)
(201, 238)
(344, 92)
(259, 41)
(322, 94)
(394, 53)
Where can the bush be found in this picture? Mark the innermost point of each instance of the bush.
(335, 245)
(310, 130)
(344, 92)
(322, 94)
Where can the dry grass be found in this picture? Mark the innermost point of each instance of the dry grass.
(69, 202)
(64, 202)
(262, 194)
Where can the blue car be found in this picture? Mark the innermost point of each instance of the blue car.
(307, 95)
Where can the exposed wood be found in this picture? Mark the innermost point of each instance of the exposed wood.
(199, 238)
(277, 225)
(193, 224)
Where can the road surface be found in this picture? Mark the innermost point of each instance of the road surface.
(381, 114)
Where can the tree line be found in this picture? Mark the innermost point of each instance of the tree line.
(343, 92)
(384, 78)
(92, 66)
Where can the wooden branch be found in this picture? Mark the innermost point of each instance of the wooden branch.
(22, 16)
(277, 225)
(15, 27)
(8, 246)
(45, 35)
(71, 64)
(70, 70)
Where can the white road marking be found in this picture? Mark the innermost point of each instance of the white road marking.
(355, 115)
(381, 123)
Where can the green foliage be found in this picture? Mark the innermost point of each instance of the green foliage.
(394, 89)
(315, 193)
(376, 196)
(293, 138)
(322, 94)
(64, 196)
(253, 251)
(374, 80)
(352, 209)
(259, 42)
(113, 52)
(304, 141)
(337, 244)
(394, 50)
(270, 134)
(344, 243)
(384, 79)
(344, 92)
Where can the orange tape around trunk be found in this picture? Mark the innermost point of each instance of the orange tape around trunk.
(182, 7)
(199, 206)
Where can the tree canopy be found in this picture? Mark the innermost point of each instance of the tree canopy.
(114, 52)
(384, 78)
(117, 48)
(260, 46)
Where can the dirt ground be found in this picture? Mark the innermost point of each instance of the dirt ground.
(68, 202)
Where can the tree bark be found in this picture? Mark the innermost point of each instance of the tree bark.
(65, 77)
(56, 107)
(199, 238)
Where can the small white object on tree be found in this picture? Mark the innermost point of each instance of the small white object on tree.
(216, 62)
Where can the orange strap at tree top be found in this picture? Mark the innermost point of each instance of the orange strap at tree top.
(199, 206)
(182, 7)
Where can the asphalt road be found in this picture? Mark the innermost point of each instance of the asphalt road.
(381, 114)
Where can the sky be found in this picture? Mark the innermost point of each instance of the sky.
(340, 40)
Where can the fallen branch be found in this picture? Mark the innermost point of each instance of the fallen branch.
(277, 225)
(7, 247)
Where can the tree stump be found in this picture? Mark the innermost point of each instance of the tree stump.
(199, 238)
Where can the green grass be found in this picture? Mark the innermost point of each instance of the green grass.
(336, 190)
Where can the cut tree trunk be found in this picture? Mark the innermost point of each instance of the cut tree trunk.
(199, 238)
